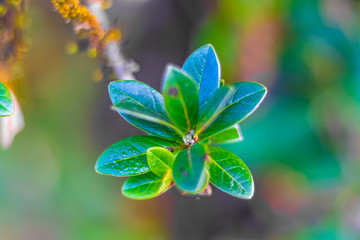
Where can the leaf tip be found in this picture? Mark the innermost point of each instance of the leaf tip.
(206, 47)
(97, 166)
(250, 194)
(261, 88)
(111, 84)
(265, 91)
(173, 72)
(210, 47)
(169, 68)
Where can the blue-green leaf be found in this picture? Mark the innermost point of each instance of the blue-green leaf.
(203, 65)
(229, 173)
(230, 135)
(189, 170)
(160, 160)
(128, 156)
(215, 104)
(181, 98)
(137, 92)
(6, 102)
(245, 100)
(147, 98)
(146, 185)
(149, 121)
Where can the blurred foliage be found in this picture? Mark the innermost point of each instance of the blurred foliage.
(307, 53)
(302, 147)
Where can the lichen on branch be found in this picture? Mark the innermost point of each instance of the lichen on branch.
(83, 20)
(92, 20)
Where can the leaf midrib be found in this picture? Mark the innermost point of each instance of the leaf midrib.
(227, 173)
(239, 101)
(139, 155)
(217, 114)
(146, 116)
(202, 68)
(156, 118)
(119, 160)
(181, 98)
(162, 162)
(122, 91)
(144, 184)
(214, 116)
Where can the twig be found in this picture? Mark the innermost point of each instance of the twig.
(123, 68)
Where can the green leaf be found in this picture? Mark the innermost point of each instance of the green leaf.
(146, 98)
(181, 98)
(149, 121)
(128, 156)
(215, 104)
(244, 101)
(203, 65)
(137, 92)
(230, 135)
(230, 174)
(189, 170)
(146, 186)
(6, 102)
(160, 160)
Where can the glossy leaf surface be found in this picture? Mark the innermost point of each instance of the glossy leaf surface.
(215, 104)
(6, 102)
(146, 186)
(189, 169)
(160, 160)
(148, 100)
(128, 156)
(137, 92)
(229, 173)
(203, 65)
(149, 120)
(230, 135)
(181, 98)
(245, 100)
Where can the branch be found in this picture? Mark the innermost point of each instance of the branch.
(123, 68)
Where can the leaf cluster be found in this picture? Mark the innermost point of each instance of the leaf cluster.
(194, 112)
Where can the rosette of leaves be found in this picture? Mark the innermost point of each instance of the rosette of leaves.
(6, 102)
(195, 112)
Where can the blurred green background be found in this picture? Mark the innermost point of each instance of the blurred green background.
(302, 144)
